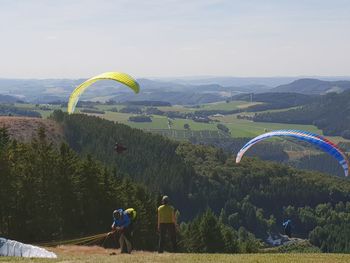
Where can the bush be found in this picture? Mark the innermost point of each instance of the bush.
(92, 111)
(141, 118)
(223, 128)
(134, 110)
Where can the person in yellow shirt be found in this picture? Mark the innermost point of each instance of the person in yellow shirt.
(166, 223)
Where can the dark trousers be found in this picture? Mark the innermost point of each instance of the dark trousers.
(170, 229)
(288, 231)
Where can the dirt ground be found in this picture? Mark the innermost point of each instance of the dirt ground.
(93, 250)
(24, 129)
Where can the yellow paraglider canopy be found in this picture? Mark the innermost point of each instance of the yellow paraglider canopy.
(116, 76)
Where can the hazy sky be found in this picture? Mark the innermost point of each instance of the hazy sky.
(80, 38)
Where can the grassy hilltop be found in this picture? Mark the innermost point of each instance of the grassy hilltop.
(95, 254)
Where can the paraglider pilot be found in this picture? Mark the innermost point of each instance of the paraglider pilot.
(121, 224)
(119, 148)
(287, 225)
(166, 223)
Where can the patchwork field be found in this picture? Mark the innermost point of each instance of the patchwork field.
(175, 128)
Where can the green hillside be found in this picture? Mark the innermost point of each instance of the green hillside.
(198, 177)
(313, 86)
(69, 190)
(329, 113)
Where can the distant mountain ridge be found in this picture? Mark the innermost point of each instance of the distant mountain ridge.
(268, 82)
(172, 97)
(313, 86)
(8, 99)
(48, 90)
(175, 91)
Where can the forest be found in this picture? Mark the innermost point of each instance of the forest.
(330, 113)
(55, 192)
(254, 195)
(275, 100)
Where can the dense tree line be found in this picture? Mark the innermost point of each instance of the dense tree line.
(271, 151)
(152, 103)
(209, 233)
(276, 151)
(87, 104)
(199, 115)
(328, 225)
(52, 194)
(207, 113)
(10, 110)
(131, 109)
(321, 162)
(153, 111)
(223, 128)
(330, 113)
(269, 185)
(8, 99)
(272, 100)
(94, 111)
(150, 159)
(252, 194)
(140, 118)
(49, 193)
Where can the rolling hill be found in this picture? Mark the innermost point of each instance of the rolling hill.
(330, 113)
(255, 195)
(275, 100)
(8, 99)
(313, 86)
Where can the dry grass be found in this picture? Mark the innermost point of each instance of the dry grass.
(68, 254)
(24, 128)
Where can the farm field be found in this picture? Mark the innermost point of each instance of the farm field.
(159, 124)
(186, 134)
(246, 128)
(109, 107)
(233, 105)
(238, 127)
(177, 108)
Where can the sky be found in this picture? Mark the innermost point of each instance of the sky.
(168, 38)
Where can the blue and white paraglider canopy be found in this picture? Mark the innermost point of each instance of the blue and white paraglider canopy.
(315, 139)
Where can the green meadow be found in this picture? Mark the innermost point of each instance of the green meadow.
(159, 124)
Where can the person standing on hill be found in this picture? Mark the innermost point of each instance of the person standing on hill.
(287, 225)
(121, 224)
(166, 224)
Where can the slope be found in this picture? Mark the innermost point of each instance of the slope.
(255, 195)
(313, 86)
(329, 112)
(25, 128)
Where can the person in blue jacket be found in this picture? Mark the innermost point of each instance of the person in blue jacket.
(121, 224)
(287, 225)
